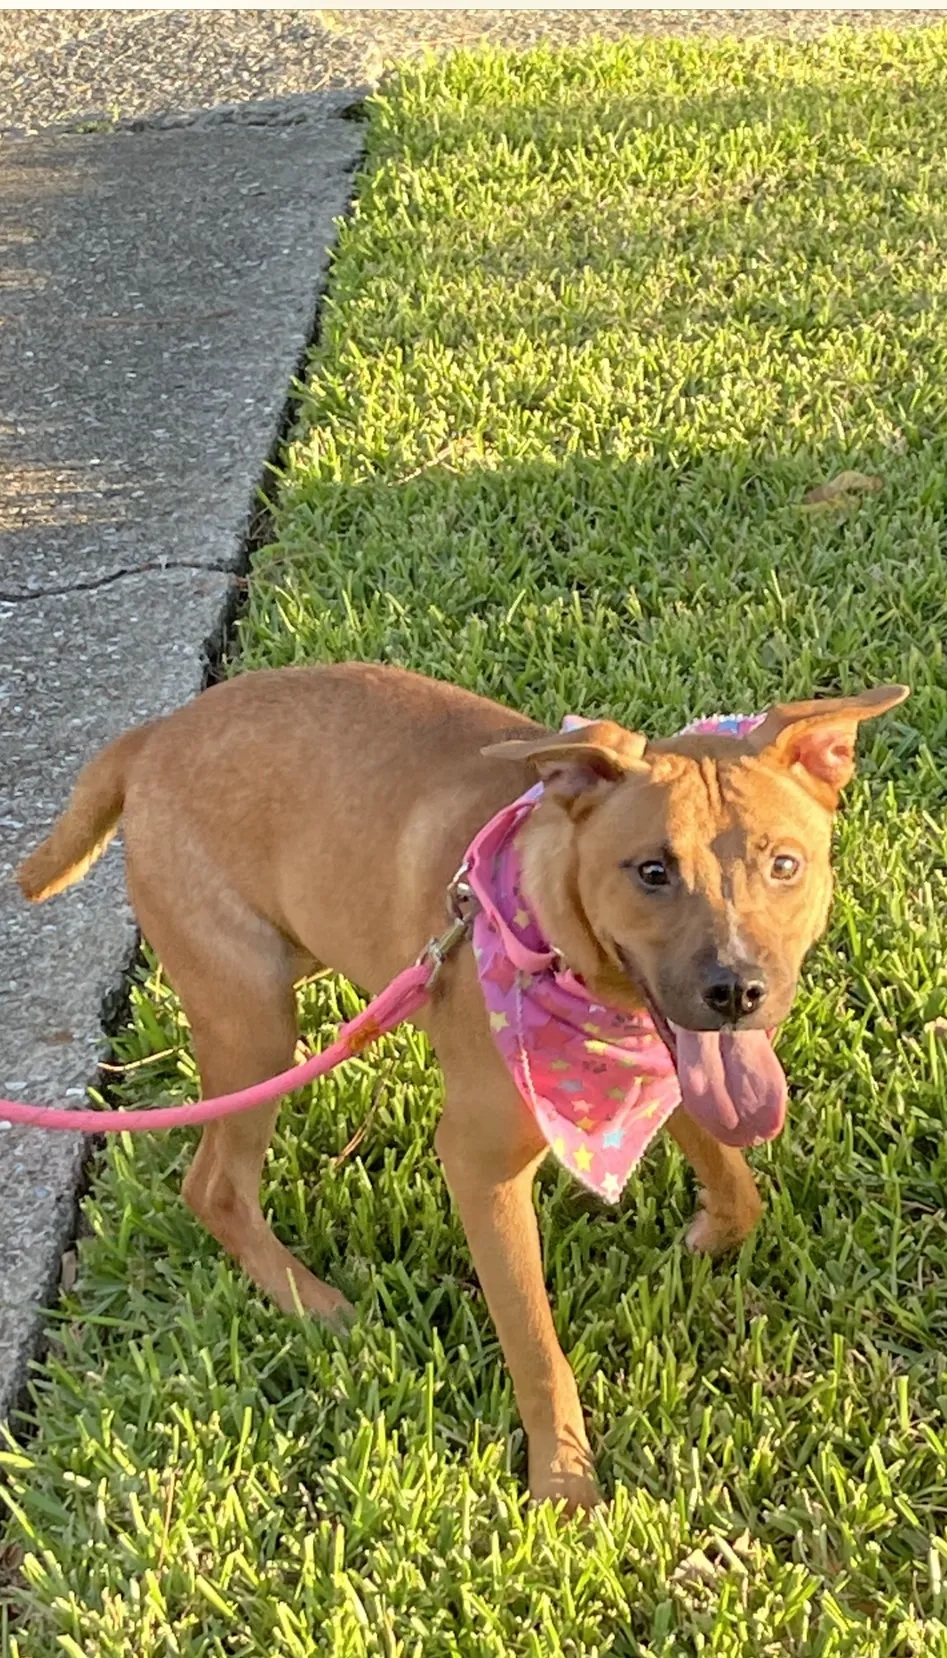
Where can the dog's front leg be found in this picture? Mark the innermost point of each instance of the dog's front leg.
(730, 1204)
(490, 1175)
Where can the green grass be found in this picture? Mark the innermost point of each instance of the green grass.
(597, 324)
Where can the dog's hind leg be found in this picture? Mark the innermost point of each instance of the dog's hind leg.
(241, 1044)
(234, 974)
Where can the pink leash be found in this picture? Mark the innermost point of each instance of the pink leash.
(403, 997)
(398, 1002)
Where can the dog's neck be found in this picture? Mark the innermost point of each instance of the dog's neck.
(550, 884)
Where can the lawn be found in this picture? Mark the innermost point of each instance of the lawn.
(597, 324)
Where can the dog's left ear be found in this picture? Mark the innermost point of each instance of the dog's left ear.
(816, 740)
(575, 765)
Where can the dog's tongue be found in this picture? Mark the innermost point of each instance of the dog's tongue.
(732, 1083)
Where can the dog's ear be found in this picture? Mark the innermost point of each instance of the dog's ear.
(815, 741)
(573, 763)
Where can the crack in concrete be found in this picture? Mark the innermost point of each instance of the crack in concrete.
(346, 104)
(335, 104)
(156, 566)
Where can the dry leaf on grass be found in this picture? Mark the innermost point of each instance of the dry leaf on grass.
(695, 1568)
(706, 1565)
(842, 490)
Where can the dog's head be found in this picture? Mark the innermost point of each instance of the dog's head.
(692, 875)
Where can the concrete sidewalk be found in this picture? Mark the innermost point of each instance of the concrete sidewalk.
(159, 289)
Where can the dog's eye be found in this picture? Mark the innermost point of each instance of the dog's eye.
(653, 873)
(785, 867)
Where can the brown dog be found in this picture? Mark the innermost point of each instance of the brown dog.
(316, 815)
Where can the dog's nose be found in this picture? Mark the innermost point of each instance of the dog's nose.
(734, 995)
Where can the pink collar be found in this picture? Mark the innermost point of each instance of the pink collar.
(599, 1082)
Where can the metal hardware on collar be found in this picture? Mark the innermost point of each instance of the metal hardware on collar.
(461, 899)
(461, 908)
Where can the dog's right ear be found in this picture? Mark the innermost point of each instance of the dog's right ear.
(572, 763)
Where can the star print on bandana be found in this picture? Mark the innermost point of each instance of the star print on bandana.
(600, 1082)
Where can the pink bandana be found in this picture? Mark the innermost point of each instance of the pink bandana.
(599, 1082)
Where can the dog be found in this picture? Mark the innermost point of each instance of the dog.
(303, 817)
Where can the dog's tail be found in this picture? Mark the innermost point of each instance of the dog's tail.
(87, 825)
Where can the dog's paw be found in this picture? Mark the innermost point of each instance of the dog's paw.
(299, 1291)
(340, 1315)
(567, 1477)
(713, 1232)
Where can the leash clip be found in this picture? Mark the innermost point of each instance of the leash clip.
(461, 907)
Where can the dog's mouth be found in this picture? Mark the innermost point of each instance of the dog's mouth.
(731, 1080)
